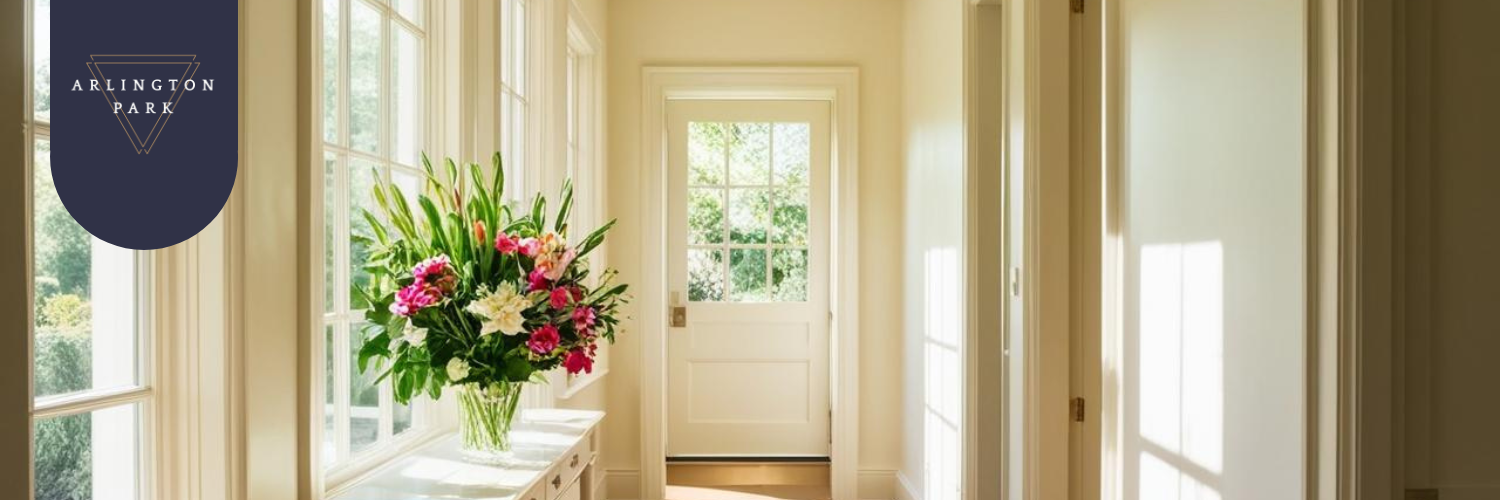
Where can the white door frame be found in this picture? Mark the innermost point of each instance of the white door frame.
(840, 87)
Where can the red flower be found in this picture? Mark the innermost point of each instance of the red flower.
(537, 280)
(578, 361)
(583, 318)
(506, 244)
(543, 340)
(559, 298)
(414, 297)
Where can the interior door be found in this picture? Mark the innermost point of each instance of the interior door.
(748, 231)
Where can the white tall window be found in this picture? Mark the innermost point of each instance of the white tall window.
(582, 74)
(375, 68)
(92, 416)
(514, 118)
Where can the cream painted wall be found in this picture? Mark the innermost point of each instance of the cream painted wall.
(861, 33)
(933, 134)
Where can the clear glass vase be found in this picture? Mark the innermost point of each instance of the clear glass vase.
(485, 415)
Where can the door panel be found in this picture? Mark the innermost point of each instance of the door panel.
(748, 210)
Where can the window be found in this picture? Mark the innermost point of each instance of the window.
(747, 212)
(374, 124)
(513, 118)
(92, 377)
(581, 72)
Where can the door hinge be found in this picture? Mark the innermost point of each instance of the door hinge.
(1015, 282)
(1077, 409)
(1078, 6)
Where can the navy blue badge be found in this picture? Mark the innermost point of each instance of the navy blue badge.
(145, 116)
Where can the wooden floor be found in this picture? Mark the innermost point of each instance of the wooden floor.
(739, 481)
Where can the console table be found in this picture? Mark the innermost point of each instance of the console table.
(554, 452)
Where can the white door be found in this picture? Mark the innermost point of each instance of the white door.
(748, 235)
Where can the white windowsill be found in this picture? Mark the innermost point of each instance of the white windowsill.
(437, 470)
(584, 383)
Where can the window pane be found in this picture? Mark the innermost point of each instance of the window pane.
(749, 214)
(705, 275)
(409, 9)
(518, 153)
(361, 181)
(89, 455)
(747, 275)
(520, 70)
(85, 299)
(364, 77)
(330, 243)
(750, 154)
(407, 71)
(706, 150)
(792, 154)
(364, 396)
(41, 59)
(789, 275)
(402, 418)
(330, 434)
(503, 42)
(705, 215)
(790, 221)
(331, 71)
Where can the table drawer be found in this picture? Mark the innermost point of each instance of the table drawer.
(570, 466)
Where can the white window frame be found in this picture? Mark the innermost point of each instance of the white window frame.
(426, 422)
(142, 393)
(521, 90)
(583, 141)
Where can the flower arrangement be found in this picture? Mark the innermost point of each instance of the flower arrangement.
(464, 293)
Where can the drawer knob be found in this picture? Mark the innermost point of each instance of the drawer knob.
(557, 481)
(574, 463)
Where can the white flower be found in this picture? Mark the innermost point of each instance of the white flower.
(414, 335)
(457, 369)
(501, 310)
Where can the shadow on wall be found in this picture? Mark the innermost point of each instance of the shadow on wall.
(1175, 442)
(941, 378)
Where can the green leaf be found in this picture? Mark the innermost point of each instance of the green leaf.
(566, 207)
(434, 222)
(594, 239)
(376, 346)
(497, 188)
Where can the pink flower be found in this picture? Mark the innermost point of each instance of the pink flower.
(537, 280)
(431, 269)
(583, 318)
(577, 293)
(559, 298)
(543, 340)
(415, 297)
(506, 244)
(530, 247)
(578, 361)
(559, 265)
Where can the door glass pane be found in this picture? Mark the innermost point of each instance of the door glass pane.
(789, 275)
(750, 154)
(407, 71)
(790, 221)
(364, 77)
(41, 59)
(705, 275)
(361, 181)
(705, 215)
(85, 300)
(792, 154)
(747, 275)
(364, 396)
(331, 70)
(89, 455)
(706, 153)
(749, 215)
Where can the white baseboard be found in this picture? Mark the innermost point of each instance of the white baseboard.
(622, 484)
(877, 484)
(873, 484)
(904, 489)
